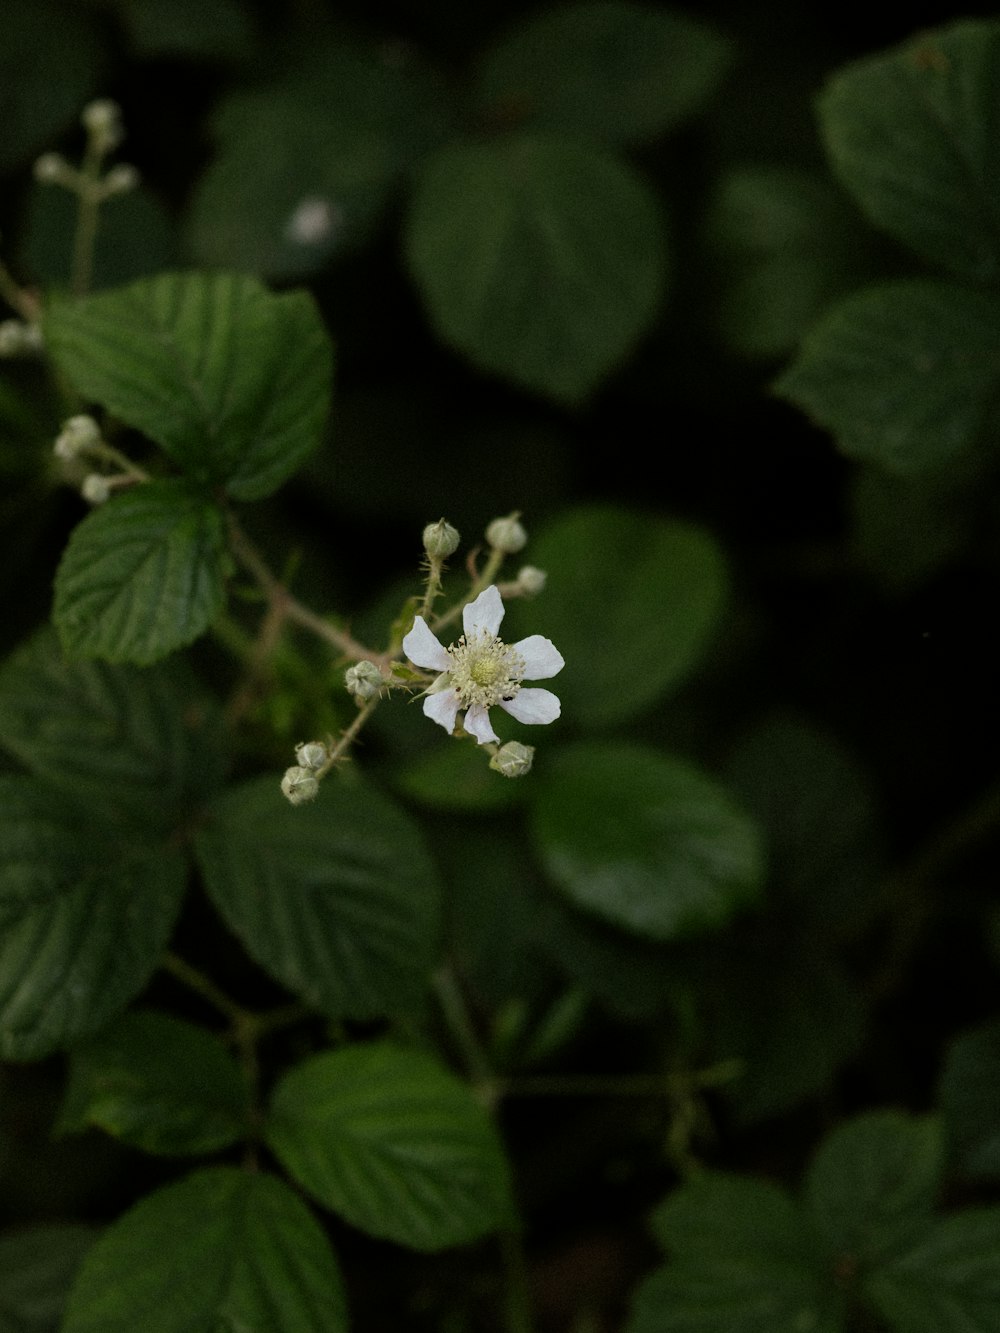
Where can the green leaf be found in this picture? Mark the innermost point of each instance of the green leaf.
(39, 38)
(742, 1262)
(633, 602)
(911, 135)
(969, 1097)
(620, 72)
(84, 918)
(189, 29)
(306, 168)
(159, 1084)
(541, 260)
(787, 1010)
(787, 243)
(231, 380)
(37, 1266)
(906, 530)
(872, 1184)
(142, 575)
(146, 745)
(904, 375)
(816, 805)
(643, 840)
(338, 899)
(223, 1249)
(948, 1281)
(392, 1142)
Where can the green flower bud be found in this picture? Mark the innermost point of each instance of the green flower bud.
(18, 338)
(77, 435)
(103, 122)
(364, 681)
(507, 535)
(53, 169)
(121, 179)
(95, 489)
(532, 580)
(311, 754)
(299, 785)
(513, 760)
(440, 540)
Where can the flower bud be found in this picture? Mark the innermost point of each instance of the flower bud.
(18, 338)
(52, 169)
(311, 754)
(364, 681)
(513, 760)
(507, 535)
(299, 785)
(121, 178)
(440, 540)
(103, 122)
(77, 435)
(95, 489)
(531, 580)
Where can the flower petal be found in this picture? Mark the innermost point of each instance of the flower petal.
(477, 723)
(542, 659)
(531, 706)
(424, 649)
(442, 708)
(485, 613)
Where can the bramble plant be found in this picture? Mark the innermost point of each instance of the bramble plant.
(370, 959)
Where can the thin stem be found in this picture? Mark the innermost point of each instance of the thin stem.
(434, 567)
(517, 1293)
(110, 454)
(23, 302)
(206, 988)
(906, 887)
(461, 1027)
(262, 650)
(272, 587)
(89, 198)
(348, 737)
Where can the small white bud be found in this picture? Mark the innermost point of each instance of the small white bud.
(18, 338)
(364, 681)
(440, 540)
(77, 435)
(513, 760)
(121, 178)
(311, 754)
(299, 785)
(103, 122)
(10, 337)
(507, 535)
(95, 489)
(531, 580)
(52, 169)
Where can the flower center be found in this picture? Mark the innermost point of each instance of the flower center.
(486, 669)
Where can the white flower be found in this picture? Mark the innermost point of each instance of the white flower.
(480, 670)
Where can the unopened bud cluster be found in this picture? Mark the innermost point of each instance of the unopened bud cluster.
(507, 535)
(19, 338)
(513, 760)
(78, 434)
(300, 785)
(531, 581)
(102, 121)
(440, 540)
(364, 681)
(311, 754)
